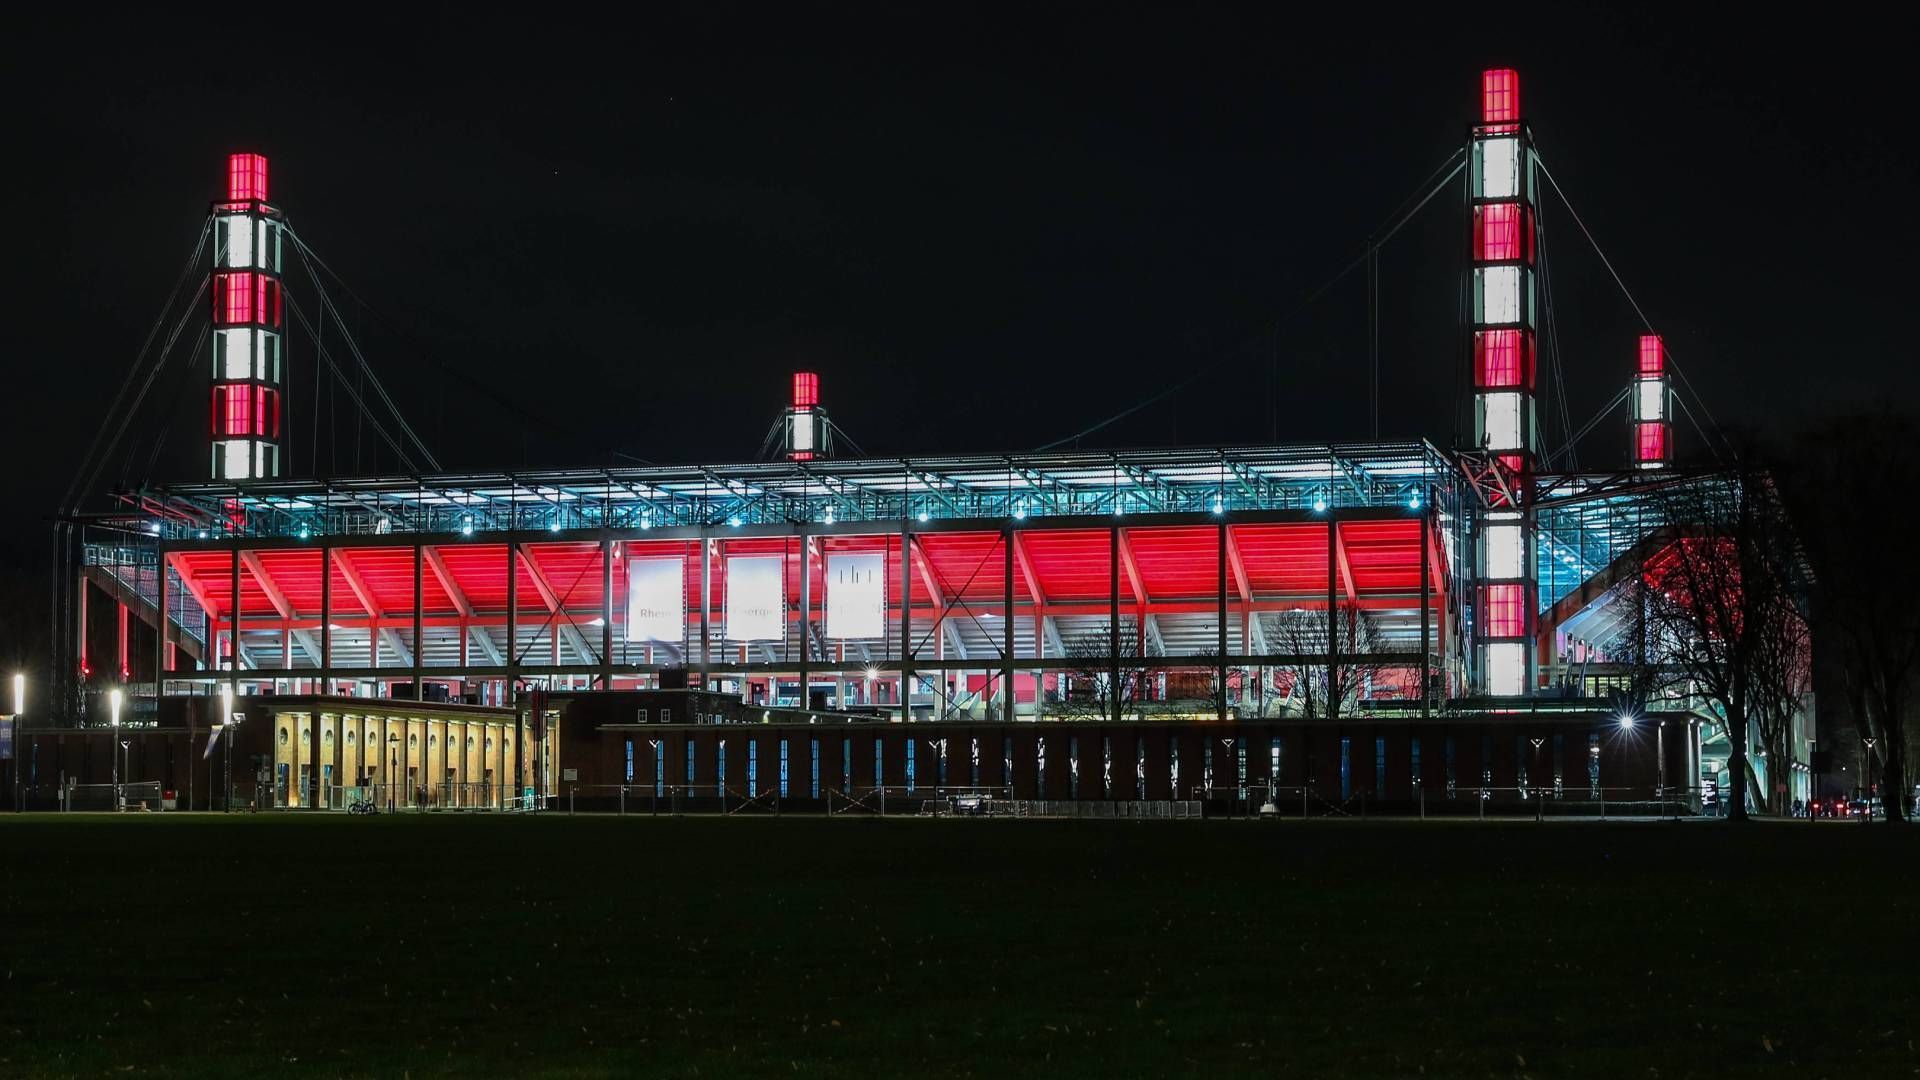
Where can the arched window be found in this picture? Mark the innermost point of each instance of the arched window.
(283, 736)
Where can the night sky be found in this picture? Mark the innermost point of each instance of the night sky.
(988, 229)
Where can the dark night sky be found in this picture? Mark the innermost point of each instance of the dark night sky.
(985, 228)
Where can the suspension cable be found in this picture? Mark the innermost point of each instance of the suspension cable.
(1637, 310)
(341, 376)
(1391, 226)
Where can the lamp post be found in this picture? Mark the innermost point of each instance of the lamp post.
(113, 714)
(393, 763)
(1866, 777)
(19, 709)
(226, 713)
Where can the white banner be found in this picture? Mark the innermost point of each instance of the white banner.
(756, 600)
(856, 596)
(657, 600)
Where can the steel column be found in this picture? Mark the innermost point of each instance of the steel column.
(513, 634)
(419, 643)
(1113, 622)
(233, 625)
(1333, 620)
(906, 615)
(606, 610)
(806, 614)
(1006, 619)
(1426, 604)
(326, 621)
(1221, 585)
(706, 605)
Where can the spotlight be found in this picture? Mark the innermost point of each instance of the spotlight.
(1626, 722)
(734, 521)
(923, 515)
(466, 525)
(1320, 504)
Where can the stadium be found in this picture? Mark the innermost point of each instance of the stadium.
(1396, 626)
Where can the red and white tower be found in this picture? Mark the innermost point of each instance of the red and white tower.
(1501, 195)
(1652, 420)
(808, 434)
(247, 331)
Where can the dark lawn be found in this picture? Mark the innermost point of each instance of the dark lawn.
(605, 946)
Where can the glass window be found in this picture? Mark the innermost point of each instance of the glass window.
(753, 768)
(1346, 768)
(1273, 761)
(879, 760)
(814, 784)
(1379, 768)
(1650, 399)
(1500, 421)
(1503, 359)
(1497, 295)
(1506, 669)
(687, 781)
(783, 768)
(720, 770)
(1502, 232)
(1503, 610)
(1502, 545)
(659, 770)
(910, 776)
(629, 761)
(1496, 168)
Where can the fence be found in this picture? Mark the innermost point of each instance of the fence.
(141, 795)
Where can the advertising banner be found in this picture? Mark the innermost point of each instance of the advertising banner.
(856, 596)
(756, 604)
(657, 600)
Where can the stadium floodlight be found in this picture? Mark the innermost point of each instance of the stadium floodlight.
(1219, 507)
(734, 521)
(19, 694)
(828, 517)
(923, 515)
(872, 673)
(554, 525)
(1413, 501)
(1319, 504)
(1626, 721)
(466, 525)
(1020, 511)
(304, 534)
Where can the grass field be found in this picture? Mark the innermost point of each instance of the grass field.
(390, 946)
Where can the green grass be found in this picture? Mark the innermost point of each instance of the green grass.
(390, 946)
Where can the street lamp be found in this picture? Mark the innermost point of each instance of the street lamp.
(226, 716)
(393, 764)
(19, 708)
(113, 713)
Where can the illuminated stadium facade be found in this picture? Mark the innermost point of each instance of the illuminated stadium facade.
(1388, 621)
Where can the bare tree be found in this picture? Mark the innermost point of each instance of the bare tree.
(1717, 599)
(1323, 689)
(1852, 486)
(1093, 693)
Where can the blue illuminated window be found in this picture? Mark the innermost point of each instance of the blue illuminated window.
(910, 766)
(846, 764)
(1415, 761)
(813, 782)
(783, 768)
(753, 768)
(879, 763)
(1273, 762)
(720, 770)
(659, 773)
(1346, 767)
(629, 761)
(1379, 768)
(687, 780)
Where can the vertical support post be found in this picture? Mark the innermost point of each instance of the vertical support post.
(1006, 626)
(419, 649)
(906, 615)
(326, 621)
(1113, 623)
(1426, 606)
(1333, 618)
(513, 639)
(606, 609)
(233, 625)
(1220, 594)
(160, 637)
(706, 605)
(806, 619)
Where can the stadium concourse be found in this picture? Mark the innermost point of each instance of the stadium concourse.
(1384, 623)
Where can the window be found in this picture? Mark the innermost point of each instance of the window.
(243, 297)
(640, 716)
(242, 411)
(1593, 766)
(753, 768)
(1379, 768)
(1503, 610)
(1653, 355)
(349, 736)
(943, 762)
(659, 771)
(910, 776)
(1500, 418)
(666, 715)
(1499, 96)
(1506, 669)
(846, 763)
(688, 780)
(783, 768)
(879, 761)
(1497, 295)
(629, 761)
(1650, 442)
(1501, 549)
(1240, 767)
(246, 177)
(720, 770)
(1413, 761)
(1650, 399)
(1273, 765)
(1502, 232)
(1496, 168)
(1346, 768)
(974, 769)
(814, 784)
(1503, 359)
(806, 389)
